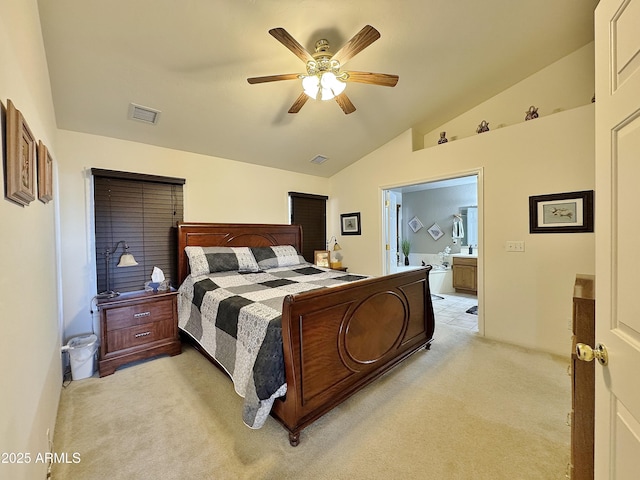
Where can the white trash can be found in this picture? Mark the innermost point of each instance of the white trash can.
(82, 353)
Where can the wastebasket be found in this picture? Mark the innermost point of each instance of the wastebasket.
(82, 353)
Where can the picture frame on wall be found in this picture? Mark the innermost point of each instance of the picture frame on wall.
(435, 231)
(21, 158)
(45, 174)
(321, 258)
(415, 224)
(570, 212)
(350, 223)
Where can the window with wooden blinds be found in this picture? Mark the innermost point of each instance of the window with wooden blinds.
(310, 211)
(142, 210)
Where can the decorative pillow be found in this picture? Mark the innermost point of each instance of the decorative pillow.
(277, 256)
(204, 260)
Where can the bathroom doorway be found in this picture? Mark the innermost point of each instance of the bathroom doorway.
(437, 221)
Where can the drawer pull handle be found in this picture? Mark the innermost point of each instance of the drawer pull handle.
(143, 314)
(144, 334)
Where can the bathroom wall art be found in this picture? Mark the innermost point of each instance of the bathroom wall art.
(415, 224)
(435, 231)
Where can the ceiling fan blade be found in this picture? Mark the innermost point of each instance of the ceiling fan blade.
(384, 79)
(288, 41)
(345, 104)
(359, 42)
(273, 78)
(300, 101)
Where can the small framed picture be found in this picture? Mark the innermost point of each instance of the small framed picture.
(21, 158)
(570, 212)
(415, 224)
(45, 174)
(321, 258)
(350, 223)
(435, 231)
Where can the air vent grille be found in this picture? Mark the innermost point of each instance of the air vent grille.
(318, 159)
(143, 114)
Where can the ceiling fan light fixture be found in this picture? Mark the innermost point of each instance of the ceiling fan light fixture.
(323, 79)
(326, 84)
(331, 82)
(311, 85)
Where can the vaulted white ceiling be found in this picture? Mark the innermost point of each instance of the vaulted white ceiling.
(190, 60)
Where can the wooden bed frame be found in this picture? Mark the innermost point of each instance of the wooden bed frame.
(335, 340)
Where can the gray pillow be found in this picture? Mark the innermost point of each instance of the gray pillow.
(277, 256)
(205, 260)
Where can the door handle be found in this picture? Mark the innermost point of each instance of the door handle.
(587, 354)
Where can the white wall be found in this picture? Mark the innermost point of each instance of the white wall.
(29, 335)
(527, 296)
(563, 85)
(216, 190)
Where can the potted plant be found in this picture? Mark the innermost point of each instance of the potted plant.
(406, 247)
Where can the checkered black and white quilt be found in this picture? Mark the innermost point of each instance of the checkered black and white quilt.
(236, 317)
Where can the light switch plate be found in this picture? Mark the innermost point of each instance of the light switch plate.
(515, 246)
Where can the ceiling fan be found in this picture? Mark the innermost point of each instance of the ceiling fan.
(324, 78)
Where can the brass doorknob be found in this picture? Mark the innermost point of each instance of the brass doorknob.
(586, 353)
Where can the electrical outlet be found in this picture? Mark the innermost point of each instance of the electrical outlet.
(515, 246)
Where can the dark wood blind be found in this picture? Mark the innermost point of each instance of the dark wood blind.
(310, 211)
(142, 210)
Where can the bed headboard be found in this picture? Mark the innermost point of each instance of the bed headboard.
(233, 235)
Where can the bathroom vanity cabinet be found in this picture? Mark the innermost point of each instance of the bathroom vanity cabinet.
(465, 274)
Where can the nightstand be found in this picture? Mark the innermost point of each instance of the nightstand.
(136, 326)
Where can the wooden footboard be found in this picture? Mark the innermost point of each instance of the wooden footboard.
(338, 340)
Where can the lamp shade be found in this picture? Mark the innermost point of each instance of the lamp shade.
(127, 260)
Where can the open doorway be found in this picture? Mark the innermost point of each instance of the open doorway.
(439, 223)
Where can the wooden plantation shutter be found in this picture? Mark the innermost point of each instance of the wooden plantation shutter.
(310, 211)
(142, 210)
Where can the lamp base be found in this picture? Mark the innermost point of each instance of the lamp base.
(107, 294)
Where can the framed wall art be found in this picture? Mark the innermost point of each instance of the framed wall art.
(21, 158)
(435, 231)
(45, 174)
(321, 258)
(570, 212)
(350, 223)
(415, 224)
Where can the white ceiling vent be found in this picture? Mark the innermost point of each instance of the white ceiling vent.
(143, 114)
(318, 159)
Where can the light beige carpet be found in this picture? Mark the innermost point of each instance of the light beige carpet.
(467, 409)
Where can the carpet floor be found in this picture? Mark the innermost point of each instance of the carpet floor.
(469, 408)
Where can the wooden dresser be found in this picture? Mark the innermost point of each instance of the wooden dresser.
(465, 274)
(582, 380)
(135, 326)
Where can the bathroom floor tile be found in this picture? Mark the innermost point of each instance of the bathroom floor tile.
(452, 310)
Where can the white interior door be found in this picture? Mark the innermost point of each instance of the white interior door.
(617, 47)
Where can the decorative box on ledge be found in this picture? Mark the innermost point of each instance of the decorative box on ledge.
(135, 326)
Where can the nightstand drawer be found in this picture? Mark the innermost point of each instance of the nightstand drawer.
(139, 335)
(143, 313)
